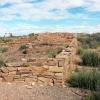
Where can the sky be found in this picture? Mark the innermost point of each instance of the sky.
(26, 16)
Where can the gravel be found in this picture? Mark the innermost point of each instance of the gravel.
(12, 91)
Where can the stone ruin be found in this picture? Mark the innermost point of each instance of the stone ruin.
(42, 71)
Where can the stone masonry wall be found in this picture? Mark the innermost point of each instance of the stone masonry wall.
(50, 72)
(42, 71)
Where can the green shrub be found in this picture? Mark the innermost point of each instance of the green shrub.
(89, 40)
(90, 58)
(2, 50)
(22, 47)
(87, 80)
(93, 96)
(2, 63)
(52, 54)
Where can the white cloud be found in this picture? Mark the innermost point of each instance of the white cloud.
(34, 11)
(23, 9)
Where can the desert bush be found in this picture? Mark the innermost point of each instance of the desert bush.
(31, 34)
(2, 50)
(22, 47)
(90, 58)
(93, 96)
(87, 80)
(89, 40)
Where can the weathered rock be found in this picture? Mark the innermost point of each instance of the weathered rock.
(32, 60)
(14, 64)
(33, 83)
(24, 68)
(11, 69)
(4, 70)
(30, 79)
(51, 63)
(25, 75)
(39, 69)
(55, 69)
(19, 80)
(17, 77)
(12, 73)
(59, 75)
(29, 87)
(8, 78)
(44, 80)
(1, 79)
(24, 60)
(4, 74)
(49, 74)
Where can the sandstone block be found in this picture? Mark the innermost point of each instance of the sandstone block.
(45, 80)
(30, 79)
(55, 69)
(8, 78)
(59, 75)
(12, 73)
(19, 80)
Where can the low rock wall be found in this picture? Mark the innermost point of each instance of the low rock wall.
(41, 75)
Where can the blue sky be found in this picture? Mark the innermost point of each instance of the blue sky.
(26, 16)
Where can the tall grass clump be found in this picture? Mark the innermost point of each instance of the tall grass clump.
(93, 96)
(90, 58)
(87, 80)
(2, 63)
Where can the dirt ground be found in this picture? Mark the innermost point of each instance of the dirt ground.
(14, 91)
